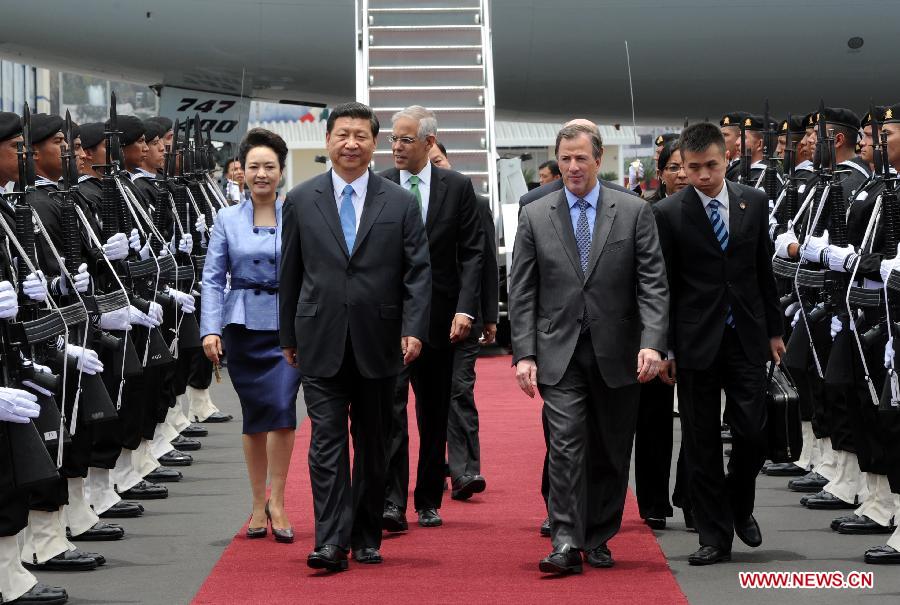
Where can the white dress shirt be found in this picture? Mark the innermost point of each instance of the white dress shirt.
(360, 186)
(722, 198)
(424, 185)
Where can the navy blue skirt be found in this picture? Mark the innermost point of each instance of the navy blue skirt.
(266, 385)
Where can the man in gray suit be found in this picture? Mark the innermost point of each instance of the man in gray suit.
(588, 304)
(355, 301)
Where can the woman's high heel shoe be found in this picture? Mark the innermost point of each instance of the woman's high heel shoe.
(257, 532)
(285, 536)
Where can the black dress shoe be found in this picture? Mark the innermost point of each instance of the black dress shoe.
(655, 523)
(865, 526)
(545, 528)
(429, 517)
(466, 485)
(367, 555)
(41, 594)
(100, 559)
(70, 560)
(748, 531)
(218, 417)
(164, 475)
(146, 491)
(328, 557)
(883, 555)
(176, 458)
(98, 533)
(708, 555)
(599, 557)
(818, 494)
(122, 510)
(843, 519)
(393, 519)
(827, 501)
(784, 469)
(195, 430)
(563, 560)
(809, 483)
(183, 444)
(688, 519)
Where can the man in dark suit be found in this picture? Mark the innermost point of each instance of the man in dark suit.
(355, 289)
(455, 247)
(463, 445)
(588, 302)
(536, 194)
(725, 323)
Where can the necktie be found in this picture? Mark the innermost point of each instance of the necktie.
(583, 234)
(414, 188)
(348, 217)
(721, 233)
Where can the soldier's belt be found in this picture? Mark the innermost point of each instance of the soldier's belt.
(810, 278)
(865, 297)
(784, 268)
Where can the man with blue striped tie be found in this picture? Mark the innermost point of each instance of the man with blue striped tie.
(725, 323)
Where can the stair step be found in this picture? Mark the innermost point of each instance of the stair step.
(425, 17)
(426, 57)
(424, 9)
(427, 27)
(446, 77)
(424, 35)
(405, 4)
(418, 67)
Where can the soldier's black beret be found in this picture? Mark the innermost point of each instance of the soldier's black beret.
(152, 130)
(131, 127)
(891, 113)
(838, 116)
(665, 138)
(165, 123)
(44, 126)
(733, 119)
(10, 125)
(92, 134)
(796, 126)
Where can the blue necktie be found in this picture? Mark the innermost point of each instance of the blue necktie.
(348, 217)
(721, 232)
(583, 234)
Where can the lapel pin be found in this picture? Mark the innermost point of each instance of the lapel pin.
(743, 205)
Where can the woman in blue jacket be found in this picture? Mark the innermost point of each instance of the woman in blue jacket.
(240, 310)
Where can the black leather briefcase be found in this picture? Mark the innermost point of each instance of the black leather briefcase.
(785, 436)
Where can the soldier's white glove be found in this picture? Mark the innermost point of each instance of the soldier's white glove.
(134, 240)
(144, 252)
(139, 318)
(18, 406)
(81, 279)
(183, 299)
(783, 241)
(88, 361)
(791, 309)
(812, 248)
(887, 266)
(796, 318)
(115, 320)
(186, 243)
(116, 248)
(9, 303)
(156, 312)
(201, 227)
(841, 258)
(836, 326)
(35, 286)
(889, 353)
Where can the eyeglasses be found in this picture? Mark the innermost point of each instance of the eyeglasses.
(673, 168)
(404, 140)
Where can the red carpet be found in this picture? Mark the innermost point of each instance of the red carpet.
(486, 552)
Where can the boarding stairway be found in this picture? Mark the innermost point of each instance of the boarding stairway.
(435, 53)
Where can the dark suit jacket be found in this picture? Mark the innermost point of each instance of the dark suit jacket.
(704, 280)
(455, 246)
(557, 185)
(624, 289)
(490, 278)
(375, 293)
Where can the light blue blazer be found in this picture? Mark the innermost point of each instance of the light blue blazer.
(240, 277)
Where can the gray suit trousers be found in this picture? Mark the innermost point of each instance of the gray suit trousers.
(588, 469)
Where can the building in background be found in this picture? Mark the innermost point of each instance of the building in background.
(20, 83)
